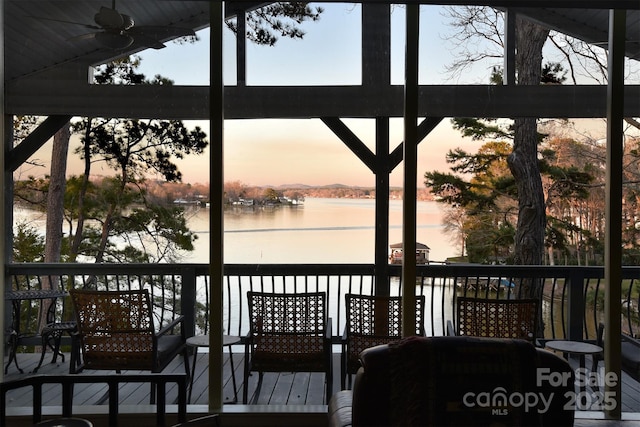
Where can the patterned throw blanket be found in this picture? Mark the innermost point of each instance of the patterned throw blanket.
(462, 381)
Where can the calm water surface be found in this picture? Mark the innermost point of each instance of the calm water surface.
(320, 231)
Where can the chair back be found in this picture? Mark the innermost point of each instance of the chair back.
(116, 328)
(287, 313)
(498, 318)
(287, 329)
(374, 320)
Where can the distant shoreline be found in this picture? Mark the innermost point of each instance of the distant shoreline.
(235, 190)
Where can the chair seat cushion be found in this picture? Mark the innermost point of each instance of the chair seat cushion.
(297, 351)
(122, 352)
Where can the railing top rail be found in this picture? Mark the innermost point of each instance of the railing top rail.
(199, 269)
(449, 270)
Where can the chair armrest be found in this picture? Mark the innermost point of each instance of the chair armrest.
(169, 326)
(328, 329)
(451, 330)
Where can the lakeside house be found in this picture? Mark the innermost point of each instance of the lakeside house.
(422, 253)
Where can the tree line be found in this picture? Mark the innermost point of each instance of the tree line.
(482, 198)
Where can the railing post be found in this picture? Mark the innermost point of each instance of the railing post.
(576, 304)
(188, 300)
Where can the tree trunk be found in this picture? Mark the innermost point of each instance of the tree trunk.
(77, 238)
(523, 161)
(55, 210)
(55, 196)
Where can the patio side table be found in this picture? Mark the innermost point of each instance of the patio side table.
(203, 341)
(577, 348)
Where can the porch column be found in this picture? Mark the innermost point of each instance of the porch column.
(509, 67)
(4, 128)
(410, 171)
(613, 209)
(376, 75)
(241, 47)
(382, 207)
(216, 217)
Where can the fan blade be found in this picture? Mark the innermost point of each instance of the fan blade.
(87, 26)
(114, 40)
(110, 19)
(107, 39)
(160, 33)
(146, 41)
(151, 36)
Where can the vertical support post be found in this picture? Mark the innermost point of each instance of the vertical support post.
(188, 300)
(382, 207)
(509, 67)
(5, 128)
(241, 47)
(576, 305)
(376, 74)
(376, 45)
(613, 209)
(216, 217)
(410, 171)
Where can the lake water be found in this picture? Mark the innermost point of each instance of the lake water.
(323, 230)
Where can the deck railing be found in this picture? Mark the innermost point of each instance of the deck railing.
(572, 297)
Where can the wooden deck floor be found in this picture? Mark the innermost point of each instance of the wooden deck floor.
(277, 389)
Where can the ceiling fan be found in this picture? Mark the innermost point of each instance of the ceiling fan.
(117, 30)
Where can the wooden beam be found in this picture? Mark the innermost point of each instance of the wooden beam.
(350, 139)
(6, 131)
(424, 129)
(580, 4)
(36, 139)
(376, 44)
(241, 49)
(613, 213)
(509, 67)
(216, 216)
(255, 102)
(382, 284)
(410, 157)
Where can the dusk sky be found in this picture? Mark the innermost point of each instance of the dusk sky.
(276, 152)
(279, 152)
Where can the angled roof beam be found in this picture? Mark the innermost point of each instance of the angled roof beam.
(36, 139)
(424, 128)
(350, 139)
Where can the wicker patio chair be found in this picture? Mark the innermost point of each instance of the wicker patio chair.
(288, 333)
(116, 332)
(363, 329)
(497, 318)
